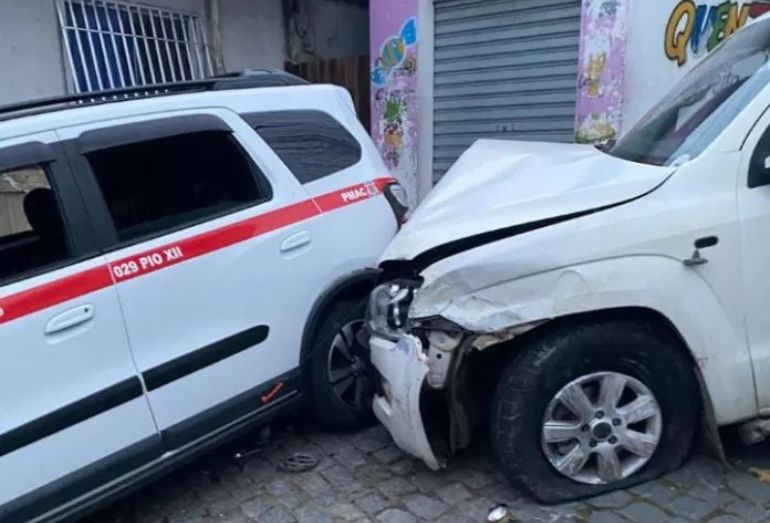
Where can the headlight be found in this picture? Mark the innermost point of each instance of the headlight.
(388, 310)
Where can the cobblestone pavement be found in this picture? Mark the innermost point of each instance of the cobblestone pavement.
(363, 477)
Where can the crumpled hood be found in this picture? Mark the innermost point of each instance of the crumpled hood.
(499, 184)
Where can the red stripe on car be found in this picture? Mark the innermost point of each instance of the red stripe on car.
(18, 305)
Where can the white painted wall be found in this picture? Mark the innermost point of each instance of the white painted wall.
(33, 64)
(30, 51)
(252, 34)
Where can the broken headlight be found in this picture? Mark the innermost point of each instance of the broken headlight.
(388, 310)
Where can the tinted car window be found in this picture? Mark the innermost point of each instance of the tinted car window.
(312, 144)
(159, 185)
(32, 232)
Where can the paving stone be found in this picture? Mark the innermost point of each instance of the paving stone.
(396, 487)
(285, 492)
(372, 503)
(277, 515)
(311, 514)
(351, 457)
(362, 477)
(453, 493)
(373, 440)
(389, 455)
(642, 512)
(424, 506)
(345, 511)
(254, 507)
(746, 511)
(473, 479)
(402, 467)
(617, 499)
(657, 491)
(313, 484)
(429, 481)
(750, 488)
(394, 515)
(605, 516)
(692, 508)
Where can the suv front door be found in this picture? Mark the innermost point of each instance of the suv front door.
(188, 221)
(72, 409)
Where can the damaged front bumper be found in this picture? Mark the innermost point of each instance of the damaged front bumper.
(403, 368)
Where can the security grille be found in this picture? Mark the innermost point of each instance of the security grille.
(111, 45)
(504, 69)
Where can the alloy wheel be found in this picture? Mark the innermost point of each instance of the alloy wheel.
(601, 428)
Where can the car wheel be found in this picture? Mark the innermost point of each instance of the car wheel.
(342, 382)
(589, 409)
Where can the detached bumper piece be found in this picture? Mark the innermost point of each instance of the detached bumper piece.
(403, 368)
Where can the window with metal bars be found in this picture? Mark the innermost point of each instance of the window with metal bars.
(111, 44)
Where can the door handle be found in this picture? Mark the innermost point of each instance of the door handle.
(296, 241)
(69, 319)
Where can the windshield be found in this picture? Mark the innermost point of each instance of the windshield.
(703, 104)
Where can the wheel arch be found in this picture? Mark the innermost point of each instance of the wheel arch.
(656, 320)
(357, 284)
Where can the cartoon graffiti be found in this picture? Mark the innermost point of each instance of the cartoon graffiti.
(593, 74)
(601, 71)
(396, 55)
(703, 27)
(393, 116)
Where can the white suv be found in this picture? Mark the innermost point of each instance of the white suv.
(591, 306)
(175, 268)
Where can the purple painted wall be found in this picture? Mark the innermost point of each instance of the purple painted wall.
(601, 71)
(395, 125)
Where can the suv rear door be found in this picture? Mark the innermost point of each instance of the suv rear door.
(194, 232)
(72, 409)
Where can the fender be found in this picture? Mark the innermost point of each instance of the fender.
(657, 283)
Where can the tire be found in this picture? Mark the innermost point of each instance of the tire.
(594, 357)
(334, 404)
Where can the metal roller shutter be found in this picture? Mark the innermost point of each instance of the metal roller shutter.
(504, 69)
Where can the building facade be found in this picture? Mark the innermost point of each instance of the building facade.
(52, 47)
(448, 72)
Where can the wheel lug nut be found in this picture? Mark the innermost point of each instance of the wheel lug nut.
(613, 440)
(584, 428)
(616, 422)
(600, 414)
(593, 443)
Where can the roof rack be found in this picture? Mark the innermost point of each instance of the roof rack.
(247, 79)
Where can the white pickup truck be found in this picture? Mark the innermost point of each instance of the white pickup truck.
(592, 306)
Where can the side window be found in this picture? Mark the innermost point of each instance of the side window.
(32, 232)
(156, 186)
(312, 144)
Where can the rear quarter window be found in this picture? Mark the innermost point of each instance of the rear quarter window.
(312, 144)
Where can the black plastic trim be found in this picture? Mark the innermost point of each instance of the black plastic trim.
(108, 137)
(56, 493)
(25, 155)
(201, 358)
(70, 415)
(134, 480)
(244, 404)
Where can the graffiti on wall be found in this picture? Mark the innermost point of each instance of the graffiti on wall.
(394, 88)
(696, 29)
(601, 71)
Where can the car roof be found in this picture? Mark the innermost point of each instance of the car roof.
(242, 91)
